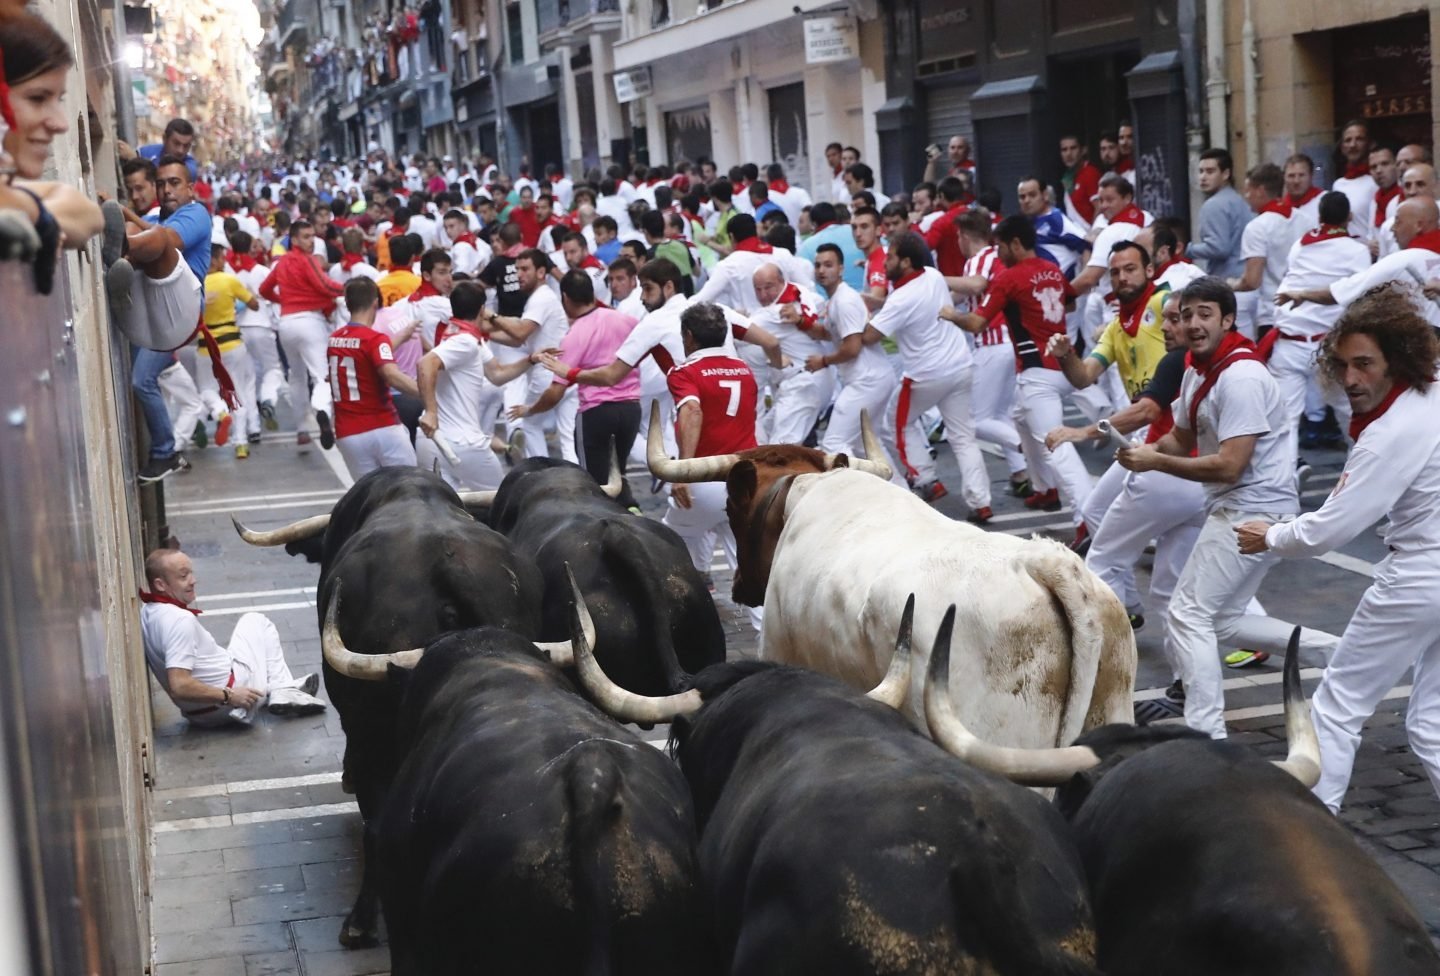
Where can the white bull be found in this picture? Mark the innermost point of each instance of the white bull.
(1043, 650)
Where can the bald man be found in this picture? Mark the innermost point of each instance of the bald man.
(1416, 263)
(792, 314)
(1416, 180)
(1410, 155)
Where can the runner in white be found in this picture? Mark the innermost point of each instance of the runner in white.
(1264, 247)
(468, 253)
(1384, 355)
(257, 330)
(1355, 181)
(792, 314)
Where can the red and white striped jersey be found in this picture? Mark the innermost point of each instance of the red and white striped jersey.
(987, 265)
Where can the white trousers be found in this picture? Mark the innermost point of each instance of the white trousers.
(242, 373)
(667, 426)
(527, 390)
(163, 312)
(184, 401)
(1391, 630)
(265, 361)
(951, 396)
(993, 402)
(1208, 609)
(383, 447)
(1294, 367)
(306, 337)
(700, 525)
(479, 469)
(1039, 409)
(842, 433)
(796, 403)
(258, 662)
(565, 412)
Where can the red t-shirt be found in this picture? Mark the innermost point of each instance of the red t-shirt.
(1032, 296)
(875, 276)
(725, 389)
(362, 397)
(943, 239)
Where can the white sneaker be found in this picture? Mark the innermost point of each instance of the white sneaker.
(293, 702)
(309, 683)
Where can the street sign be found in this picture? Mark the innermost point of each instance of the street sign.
(140, 97)
(632, 84)
(830, 38)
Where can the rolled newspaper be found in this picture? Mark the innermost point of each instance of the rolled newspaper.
(446, 449)
(1117, 439)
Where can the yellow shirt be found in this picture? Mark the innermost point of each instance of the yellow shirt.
(1135, 356)
(398, 284)
(222, 291)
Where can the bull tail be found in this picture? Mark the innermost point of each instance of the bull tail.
(625, 554)
(1100, 668)
(593, 790)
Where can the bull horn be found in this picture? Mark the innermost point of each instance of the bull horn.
(1303, 759)
(894, 688)
(616, 482)
(363, 667)
(562, 653)
(715, 468)
(874, 460)
(477, 498)
(621, 704)
(1028, 767)
(294, 532)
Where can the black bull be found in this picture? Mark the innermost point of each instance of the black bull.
(655, 620)
(529, 833)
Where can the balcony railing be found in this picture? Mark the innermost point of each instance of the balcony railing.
(576, 9)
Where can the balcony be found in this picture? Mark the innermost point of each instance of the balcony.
(568, 21)
(291, 26)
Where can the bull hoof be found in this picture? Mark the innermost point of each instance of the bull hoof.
(355, 937)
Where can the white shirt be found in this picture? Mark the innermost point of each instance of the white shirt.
(794, 268)
(1306, 216)
(1317, 265)
(1393, 469)
(658, 329)
(461, 386)
(1361, 192)
(544, 309)
(930, 348)
(844, 314)
(838, 191)
(562, 190)
(1385, 234)
(1410, 267)
(467, 258)
(794, 342)
(614, 207)
(265, 315)
(1178, 275)
(1111, 235)
(1268, 236)
(732, 280)
(792, 201)
(175, 638)
(1244, 401)
(425, 227)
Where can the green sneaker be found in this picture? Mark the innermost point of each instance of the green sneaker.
(1245, 658)
(200, 437)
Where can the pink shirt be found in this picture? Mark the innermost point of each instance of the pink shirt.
(390, 320)
(592, 341)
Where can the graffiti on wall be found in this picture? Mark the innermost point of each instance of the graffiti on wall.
(1156, 193)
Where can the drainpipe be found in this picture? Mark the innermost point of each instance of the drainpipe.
(1216, 86)
(1252, 90)
(1189, 23)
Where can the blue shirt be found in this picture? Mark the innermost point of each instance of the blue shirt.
(853, 259)
(764, 209)
(192, 222)
(155, 150)
(608, 252)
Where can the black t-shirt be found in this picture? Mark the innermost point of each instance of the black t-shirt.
(502, 275)
(1164, 386)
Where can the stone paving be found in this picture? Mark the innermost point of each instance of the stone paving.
(257, 847)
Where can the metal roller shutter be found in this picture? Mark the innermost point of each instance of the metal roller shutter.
(947, 113)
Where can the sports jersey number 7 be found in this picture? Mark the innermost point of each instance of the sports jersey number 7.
(352, 382)
(734, 387)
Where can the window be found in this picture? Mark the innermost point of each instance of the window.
(659, 13)
(516, 38)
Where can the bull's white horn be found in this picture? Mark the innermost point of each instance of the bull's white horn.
(623, 705)
(874, 461)
(615, 484)
(662, 466)
(894, 688)
(562, 653)
(364, 667)
(477, 498)
(1028, 767)
(1303, 759)
(294, 532)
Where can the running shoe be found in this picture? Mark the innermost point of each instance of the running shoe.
(931, 491)
(1021, 488)
(157, 469)
(267, 415)
(242, 451)
(1137, 620)
(980, 516)
(199, 435)
(327, 432)
(1081, 543)
(302, 439)
(222, 430)
(1048, 501)
(1245, 658)
(253, 439)
(515, 449)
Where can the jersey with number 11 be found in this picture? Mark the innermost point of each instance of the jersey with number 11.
(725, 389)
(362, 397)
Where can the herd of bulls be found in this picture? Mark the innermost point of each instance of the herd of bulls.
(850, 803)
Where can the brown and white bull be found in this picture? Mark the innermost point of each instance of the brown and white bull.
(1044, 648)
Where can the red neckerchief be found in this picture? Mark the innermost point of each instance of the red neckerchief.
(241, 262)
(591, 261)
(1125, 165)
(556, 179)
(790, 294)
(226, 212)
(1132, 312)
(426, 290)
(906, 280)
(1280, 206)
(839, 170)
(1430, 241)
(754, 245)
(1354, 171)
(147, 597)
(1305, 197)
(1130, 215)
(1233, 348)
(1160, 271)
(1325, 232)
(466, 238)
(780, 186)
(348, 261)
(394, 231)
(459, 325)
(1382, 203)
(823, 226)
(1359, 421)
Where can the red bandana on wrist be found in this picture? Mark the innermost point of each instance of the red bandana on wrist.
(1359, 421)
(1130, 215)
(147, 597)
(754, 245)
(1325, 232)
(1132, 312)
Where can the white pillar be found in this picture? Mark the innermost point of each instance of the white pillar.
(609, 121)
(724, 129)
(872, 89)
(569, 114)
(655, 131)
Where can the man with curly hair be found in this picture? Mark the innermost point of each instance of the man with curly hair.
(1383, 354)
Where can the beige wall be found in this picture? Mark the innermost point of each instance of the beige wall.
(1295, 99)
